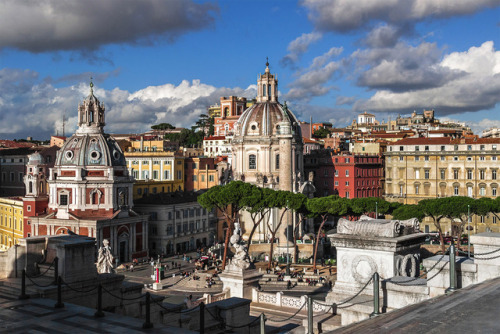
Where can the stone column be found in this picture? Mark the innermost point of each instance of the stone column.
(285, 174)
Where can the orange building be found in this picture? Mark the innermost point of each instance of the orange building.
(200, 173)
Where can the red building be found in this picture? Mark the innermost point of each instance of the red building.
(349, 176)
(358, 175)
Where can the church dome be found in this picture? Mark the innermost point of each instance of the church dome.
(89, 146)
(90, 150)
(267, 119)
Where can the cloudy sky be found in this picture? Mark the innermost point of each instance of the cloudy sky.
(156, 61)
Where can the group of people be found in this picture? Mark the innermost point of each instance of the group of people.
(210, 281)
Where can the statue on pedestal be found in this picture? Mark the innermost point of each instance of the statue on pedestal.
(105, 258)
(240, 260)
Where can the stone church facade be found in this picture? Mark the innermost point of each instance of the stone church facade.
(268, 152)
(89, 190)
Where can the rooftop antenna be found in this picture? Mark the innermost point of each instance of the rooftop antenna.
(64, 123)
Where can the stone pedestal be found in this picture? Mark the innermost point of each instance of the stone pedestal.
(359, 257)
(76, 256)
(240, 281)
(486, 255)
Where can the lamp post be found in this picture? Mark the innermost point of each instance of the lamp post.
(376, 210)
(468, 230)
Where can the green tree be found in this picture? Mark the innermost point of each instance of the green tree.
(366, 205)
(206, 124)
(163, 126)
(303, 214)
(285, 201)
(257, 206)
(408, 211)
(435, 208)
(321, 133)
(323, 207)
(229, 200)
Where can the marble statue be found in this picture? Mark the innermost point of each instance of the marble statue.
(105, 258)
(240, 260)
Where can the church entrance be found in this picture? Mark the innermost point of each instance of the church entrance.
(123, 254)
(123, 250)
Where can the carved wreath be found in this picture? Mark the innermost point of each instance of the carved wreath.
(354, 268)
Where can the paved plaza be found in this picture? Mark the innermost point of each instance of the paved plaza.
(40, 316)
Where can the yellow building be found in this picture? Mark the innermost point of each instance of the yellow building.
(145, 145)
(155, 172)
(11, 222)
(425, 168)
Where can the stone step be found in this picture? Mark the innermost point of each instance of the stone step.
(8, 292)
(46, 269)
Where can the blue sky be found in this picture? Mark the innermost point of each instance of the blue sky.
(167, 60)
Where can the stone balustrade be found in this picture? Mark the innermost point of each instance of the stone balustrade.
(207, 298)
(278, 299)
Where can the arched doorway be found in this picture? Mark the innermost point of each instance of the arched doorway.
(123, 246)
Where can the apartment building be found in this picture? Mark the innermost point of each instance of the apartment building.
(424, 168)
(155, 172)
(11, 222)
(177, 222)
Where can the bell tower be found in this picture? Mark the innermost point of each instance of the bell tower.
(34, 179)
(267, 86)
(90, 114)
(36, 200)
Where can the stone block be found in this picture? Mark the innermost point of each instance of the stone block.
(403, 291)
(240, 283)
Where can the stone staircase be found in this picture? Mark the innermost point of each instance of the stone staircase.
(10, 288)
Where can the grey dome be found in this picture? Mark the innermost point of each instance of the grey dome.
(90, 150)
(265, 119)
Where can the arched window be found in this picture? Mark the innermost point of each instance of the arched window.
(269, 90)
(252, 161)
(95, 198)
(277, 161)
(91, 116)
(30, 187)
(264, 90)
(226, 111)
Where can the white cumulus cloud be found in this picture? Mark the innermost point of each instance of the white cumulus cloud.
(478, 88)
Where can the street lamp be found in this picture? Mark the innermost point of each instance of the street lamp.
(468, 230)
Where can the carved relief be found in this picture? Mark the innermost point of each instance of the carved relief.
(363, 267)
